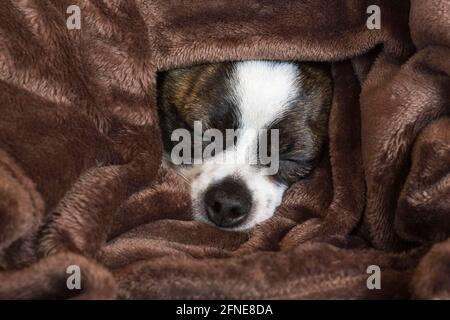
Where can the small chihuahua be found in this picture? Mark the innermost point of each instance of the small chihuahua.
(292, 97)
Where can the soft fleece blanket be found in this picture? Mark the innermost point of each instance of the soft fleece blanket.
(80, 152)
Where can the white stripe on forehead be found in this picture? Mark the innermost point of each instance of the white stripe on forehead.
(263, 90)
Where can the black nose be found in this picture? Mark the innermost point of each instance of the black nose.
(228, 202)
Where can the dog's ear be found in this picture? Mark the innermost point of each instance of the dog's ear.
(317, 84)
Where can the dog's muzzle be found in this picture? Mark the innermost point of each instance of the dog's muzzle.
(228, 202)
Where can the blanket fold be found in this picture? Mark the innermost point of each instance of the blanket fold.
(80, 153)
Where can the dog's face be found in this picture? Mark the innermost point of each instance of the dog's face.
(249, 97)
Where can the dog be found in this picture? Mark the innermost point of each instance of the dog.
(291, 98)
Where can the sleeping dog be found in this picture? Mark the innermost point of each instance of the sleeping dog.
(289, 98)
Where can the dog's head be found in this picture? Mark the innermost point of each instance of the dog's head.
(272, 115)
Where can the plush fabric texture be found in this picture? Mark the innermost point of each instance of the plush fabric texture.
(80, 152)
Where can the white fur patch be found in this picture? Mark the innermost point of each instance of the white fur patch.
(263, 90)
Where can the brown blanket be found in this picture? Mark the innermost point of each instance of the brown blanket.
(80, 151)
